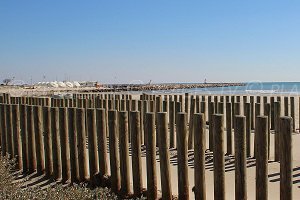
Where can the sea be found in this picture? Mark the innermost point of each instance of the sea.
(250, 88)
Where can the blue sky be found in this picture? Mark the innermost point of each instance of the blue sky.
(128, 41)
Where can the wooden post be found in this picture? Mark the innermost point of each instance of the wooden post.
(258, 99)
(237, 109)
(229, 127)
(257, 113)
(39, 141)
(23, 128)
(164, 156)
(31, 140)
(186, 103)
(216, 104)
(47, 141)
(219, 166)
(261, 158)
(286, 106)
(211, 111)
(248, 128)
(9, 131)
(56, 145)
(114, 153)
(199, 156)
(172, 124)
(267, 112)
(136, 153)
(102, 141)
(3, 129)
(141, 110)
(73, 144)
(65, 148)
(240, 158)
(82, 152)
(252, 112)
(277, 108)
(286, 158)
(220, 108)
(145, 110)
(272, 100)
(150, 135)
(181, 102)
(182, 156)
(92, 144)
(292, 100)
(191, 126)
(17, 142)
(232, 109)
(124, 154)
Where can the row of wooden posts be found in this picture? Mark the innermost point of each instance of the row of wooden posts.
(69, 143)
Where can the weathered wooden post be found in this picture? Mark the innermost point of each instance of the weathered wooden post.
(182, 153)
(102, 141)
(114, 153)
(181, 102)
(56, 145)
(219, 161)
(272, 100)
(186, 103)
(248, 128)
(216, 104)
(252, 112)
(286, 158)
(3, 129)
(199, 156)
(23, 128)
(31, 140)
(47, 141)
(124, 154)
(220, 108)
(9, 131)
(292, 100)
(286, 106)
(73, 144)
(267, 112)
(17, 142)
(261, 158)
(150, 136)
(237, 109)
(277, 108)
(190, 135)
(92, 144)
(136, 153)
(164, 156)
(229, 128)
(257, 113)
(39, 141)
(65, 148)
(141, 110)
(240, 158)
(211, 111)
(232, 108)
(81, 138)
(258, 99)
(172, 124)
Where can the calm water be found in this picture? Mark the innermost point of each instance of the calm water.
(268, 88)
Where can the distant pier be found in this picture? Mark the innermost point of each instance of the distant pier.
(167, 86)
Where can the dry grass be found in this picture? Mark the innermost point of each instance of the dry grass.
(12, 190)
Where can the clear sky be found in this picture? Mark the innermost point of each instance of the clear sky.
(141, 40)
